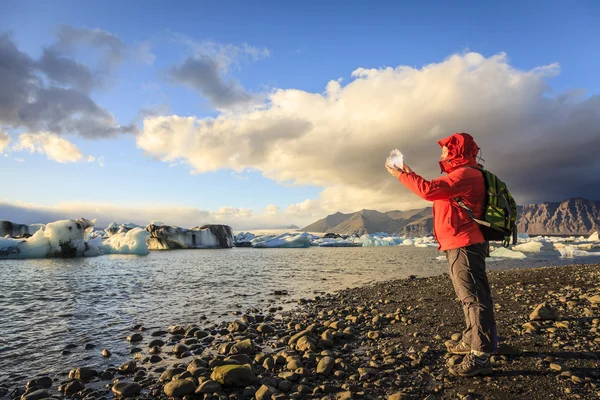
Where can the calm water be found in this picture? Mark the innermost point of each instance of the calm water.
(47, 304)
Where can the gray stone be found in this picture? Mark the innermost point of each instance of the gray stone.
(36, 395)
(126, 389)
(325, 366)
(243, 347)
(136, 337)
(127, 367)
(169, 374)
(179, 349)
(209, 386)
(233, 375)
(180, 387)
(544, 312)
(83, 374)
(265, 392)
(237, 326)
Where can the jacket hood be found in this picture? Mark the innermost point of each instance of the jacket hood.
(462, 151)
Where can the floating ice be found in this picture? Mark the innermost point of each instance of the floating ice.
(130, 242)
(334, 242)
(503, 252)
(395, 158)
(64, 239)
(164, 237)
(594, 237)
(572, 251)
(243, 237)
(286, 240)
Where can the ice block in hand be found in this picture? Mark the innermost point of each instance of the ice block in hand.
(395, 158)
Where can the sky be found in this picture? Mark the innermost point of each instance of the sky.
(266, 114)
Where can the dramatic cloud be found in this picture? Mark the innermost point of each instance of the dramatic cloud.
(51, 94)
(54, 147)
(207, 68)
(238, 219)
(4, 140)
(544, 146)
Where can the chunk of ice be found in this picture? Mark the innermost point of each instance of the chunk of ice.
(395, 158)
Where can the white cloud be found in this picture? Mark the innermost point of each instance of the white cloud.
(237, 218)
(4, 140)
(339, 139)
(53, 146)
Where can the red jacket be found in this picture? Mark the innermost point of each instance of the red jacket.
(452, 226)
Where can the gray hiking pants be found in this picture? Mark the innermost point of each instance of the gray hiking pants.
(467, 271)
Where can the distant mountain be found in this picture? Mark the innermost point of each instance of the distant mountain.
(370, 221)
(574, 216)
(291, 227)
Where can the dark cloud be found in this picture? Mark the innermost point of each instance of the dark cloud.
(51, 94)
(203, 74)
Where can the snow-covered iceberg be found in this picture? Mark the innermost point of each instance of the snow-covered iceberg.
(72, 238)
(114, 228)
(334, 242)
(164, 237)
(286, 240)
(132, 241)
(244, 239)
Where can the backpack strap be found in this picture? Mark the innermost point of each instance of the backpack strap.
(462, 204)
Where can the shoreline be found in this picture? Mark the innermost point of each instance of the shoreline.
(375, 341)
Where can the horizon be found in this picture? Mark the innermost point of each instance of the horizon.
(244, 116)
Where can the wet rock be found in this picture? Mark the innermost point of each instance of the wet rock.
(265, 392)
(128, 367)
(43, 382)
(209, 386)
(176, 330)
(156, 342)
(237, 326)
(158, 333)
(89, 346)
(179, 349)
(36, 395)
(126, 389)
(84, 374)
(180, 387)
(155, 358)
(105, 353)
(169, 374)
(201, 334)
(136, 337)
(240, 358)
(72, 387)
(233, 375)
(544, 312)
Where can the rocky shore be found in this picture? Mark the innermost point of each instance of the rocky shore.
(385, 341)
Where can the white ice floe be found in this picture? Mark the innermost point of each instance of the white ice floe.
(286, 240)
(243, 237)
(131, 242)
(502, 252)
(594, 237)
(334, 242)
(572, 251)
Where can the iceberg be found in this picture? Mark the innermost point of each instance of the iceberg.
(115, 228)
(131, 242)
(72, 238)
(62, 239)
(334, 242)
(503, 252)
(572, 251)
(594, 237)
(244, 239)
(286, 240)
(13, 230)
(367, 240)
(164, 237)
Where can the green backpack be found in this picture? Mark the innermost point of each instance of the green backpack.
(499, 221)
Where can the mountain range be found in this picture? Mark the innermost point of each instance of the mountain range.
(575, 216)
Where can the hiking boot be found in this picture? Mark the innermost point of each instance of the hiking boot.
(472, 365)
(461, 348)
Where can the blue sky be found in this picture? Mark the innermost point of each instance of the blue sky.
(303, 46)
